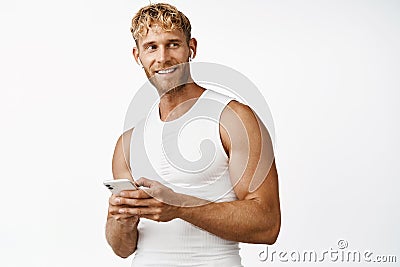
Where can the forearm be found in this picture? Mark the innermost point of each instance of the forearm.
(242, 220)
(122, 235)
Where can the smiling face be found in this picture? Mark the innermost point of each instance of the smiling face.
(164, 56)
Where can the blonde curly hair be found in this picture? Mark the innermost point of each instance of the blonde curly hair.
(167, 16)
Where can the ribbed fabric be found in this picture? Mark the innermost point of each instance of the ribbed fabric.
(187, 155)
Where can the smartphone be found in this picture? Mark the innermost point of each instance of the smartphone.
(119, 185)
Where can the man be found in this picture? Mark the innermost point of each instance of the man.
(180, 216)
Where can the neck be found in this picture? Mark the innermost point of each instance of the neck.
(177, 101)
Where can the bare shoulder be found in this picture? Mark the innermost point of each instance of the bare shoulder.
(238, 115)
(121, 157)
(238, 110)
(235, 118)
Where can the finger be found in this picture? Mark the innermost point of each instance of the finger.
(117, 200)
(140, 211)
(125, 192)
(134, 194)
(114, 210)
(116, 215)
(124, 218)
(139, 202)
(114, 200)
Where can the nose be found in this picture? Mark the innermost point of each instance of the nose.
(162, 54)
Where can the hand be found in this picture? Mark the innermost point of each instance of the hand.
(115, 205)
(155, 202)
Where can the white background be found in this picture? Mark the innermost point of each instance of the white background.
(328, 69)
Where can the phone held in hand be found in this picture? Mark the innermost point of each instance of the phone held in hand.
(118, 185)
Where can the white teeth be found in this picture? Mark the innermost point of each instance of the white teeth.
(166, 71)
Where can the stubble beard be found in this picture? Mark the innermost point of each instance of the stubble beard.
(175, 86)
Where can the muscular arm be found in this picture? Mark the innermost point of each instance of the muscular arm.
(121, 230)
(254, 219)
(255, 216)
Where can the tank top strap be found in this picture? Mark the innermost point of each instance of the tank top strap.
(221, 98)
(211, 104)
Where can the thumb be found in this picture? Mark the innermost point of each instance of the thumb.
(142, 181)
(146, 185)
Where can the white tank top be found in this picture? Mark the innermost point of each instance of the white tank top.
(185, 154)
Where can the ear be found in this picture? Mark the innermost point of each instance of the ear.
(135, 52)
(192, 47)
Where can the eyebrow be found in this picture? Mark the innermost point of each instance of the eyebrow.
(169, 40)
(175, 40)
(148, 44)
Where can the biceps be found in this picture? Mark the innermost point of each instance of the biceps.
(267, 193)
(120, 161)
(251, 162)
